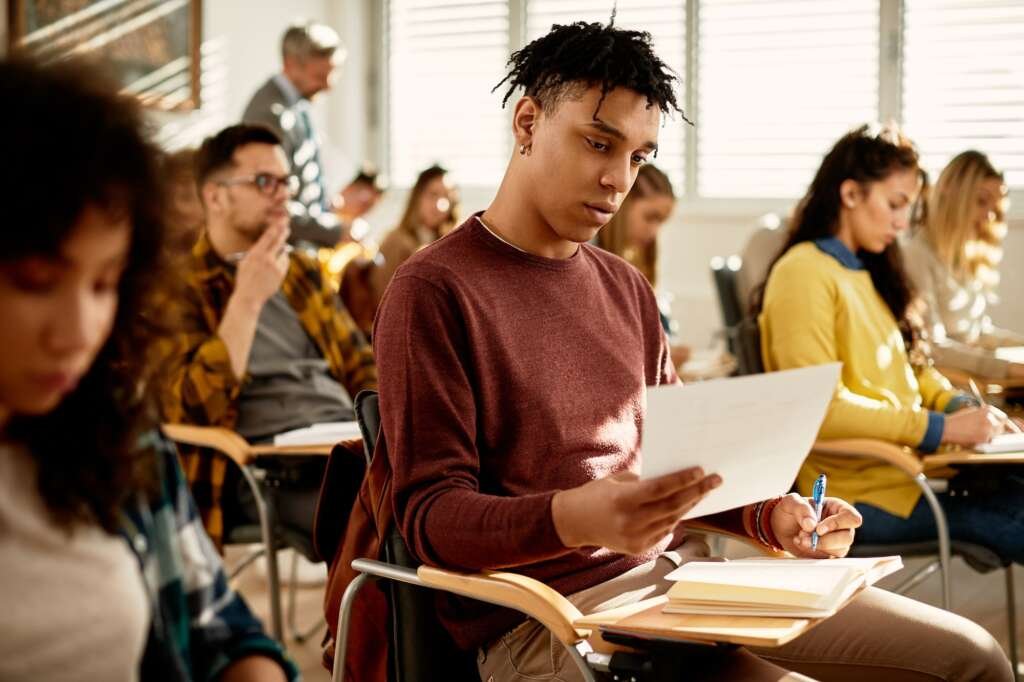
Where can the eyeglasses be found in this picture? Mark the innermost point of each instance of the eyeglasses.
(266, 183)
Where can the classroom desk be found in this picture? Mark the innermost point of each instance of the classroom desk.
(988, 385)
(963, 457)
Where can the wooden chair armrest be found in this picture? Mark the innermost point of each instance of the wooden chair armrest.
(220, 439)
(512, 590)
(703, 527)
(901, 457)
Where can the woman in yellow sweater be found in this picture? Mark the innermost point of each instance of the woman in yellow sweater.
(838, 292)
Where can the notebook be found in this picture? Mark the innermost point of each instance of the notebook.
(792, 588)
(1004, 442)
(324, 433)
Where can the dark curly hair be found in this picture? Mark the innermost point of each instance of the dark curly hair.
(73, 142)
(866, 154)
(582, 55)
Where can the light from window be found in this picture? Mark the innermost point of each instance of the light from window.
(778, 84)
(444, 58)
(963, 79)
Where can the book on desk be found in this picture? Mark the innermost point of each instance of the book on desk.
(722, 623)
(795, 588)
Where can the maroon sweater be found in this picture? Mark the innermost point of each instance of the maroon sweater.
(505, 377)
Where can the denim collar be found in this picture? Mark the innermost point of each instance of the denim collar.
(834, 247)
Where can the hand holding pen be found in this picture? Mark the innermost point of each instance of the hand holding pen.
(795, 518)
(1010, 424)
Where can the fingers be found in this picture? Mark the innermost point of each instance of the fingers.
(799, 508)
(839, 518)
(654, 489)
(272, 240)
(834, 544)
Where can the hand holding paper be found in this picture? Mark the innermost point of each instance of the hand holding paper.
(753, 431)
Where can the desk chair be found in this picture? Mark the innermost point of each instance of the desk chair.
(420, 646)
(724, 272)
(245, 456)
(980, 558)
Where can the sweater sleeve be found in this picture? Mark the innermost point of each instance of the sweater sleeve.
(798, 328)
(428, 417)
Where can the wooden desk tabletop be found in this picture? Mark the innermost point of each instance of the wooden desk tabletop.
(277, 450)
(943, 459)
(989, 385)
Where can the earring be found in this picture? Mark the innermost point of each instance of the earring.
(524, 150)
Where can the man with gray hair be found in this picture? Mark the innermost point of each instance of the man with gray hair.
(310, 52)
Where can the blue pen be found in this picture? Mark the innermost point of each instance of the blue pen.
(818, 496)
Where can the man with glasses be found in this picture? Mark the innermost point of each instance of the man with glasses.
(263, 343)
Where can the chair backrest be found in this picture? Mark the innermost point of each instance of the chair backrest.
(724, 272)
(420, 648)
(746, 337)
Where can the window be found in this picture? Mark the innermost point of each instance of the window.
(772, 83)
(778, 83)
(963, 79)
(444, 58)
(665, 20)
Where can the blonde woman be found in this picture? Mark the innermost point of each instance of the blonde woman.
(952, 261)
(632, 234)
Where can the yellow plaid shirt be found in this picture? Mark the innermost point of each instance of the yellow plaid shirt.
(201, 387)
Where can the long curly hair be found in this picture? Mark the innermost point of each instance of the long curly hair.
(866, 154)
(72, 142)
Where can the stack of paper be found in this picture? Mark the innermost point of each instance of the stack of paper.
(325, 433)
(795, 588)
(1004, 442)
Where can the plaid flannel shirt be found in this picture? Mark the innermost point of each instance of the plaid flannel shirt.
(201, 386)
(199, 625)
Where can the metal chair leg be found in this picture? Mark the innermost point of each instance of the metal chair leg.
(344, 623)
(266, 517)
(942, 530)
(294, 632)
(1011, 619)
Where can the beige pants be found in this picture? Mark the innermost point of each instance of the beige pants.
(879, 637)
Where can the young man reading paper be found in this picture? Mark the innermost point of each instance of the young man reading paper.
(514, 360)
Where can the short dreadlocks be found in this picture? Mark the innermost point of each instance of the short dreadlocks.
(580, 55)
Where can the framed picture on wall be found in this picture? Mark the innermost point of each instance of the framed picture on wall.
(152, 46)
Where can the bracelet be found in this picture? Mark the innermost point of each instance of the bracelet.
(763, 526)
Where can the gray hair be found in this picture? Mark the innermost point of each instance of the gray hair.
(305, 39)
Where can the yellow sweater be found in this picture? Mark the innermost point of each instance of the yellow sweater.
(817, 310)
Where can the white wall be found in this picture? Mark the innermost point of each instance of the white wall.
(241, 49)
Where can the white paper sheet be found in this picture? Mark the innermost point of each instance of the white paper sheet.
(1004, 442)
(753, 431)
(324, 433)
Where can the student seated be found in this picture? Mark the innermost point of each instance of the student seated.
(514, 359)
(953, 261)
(264, 344)
(839, 293)
(106, 572)
(632, 234)
(431, 211)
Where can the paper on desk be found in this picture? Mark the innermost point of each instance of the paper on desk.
(1004, 442)
(753, 431)
(324, 433)
(1011, 353)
